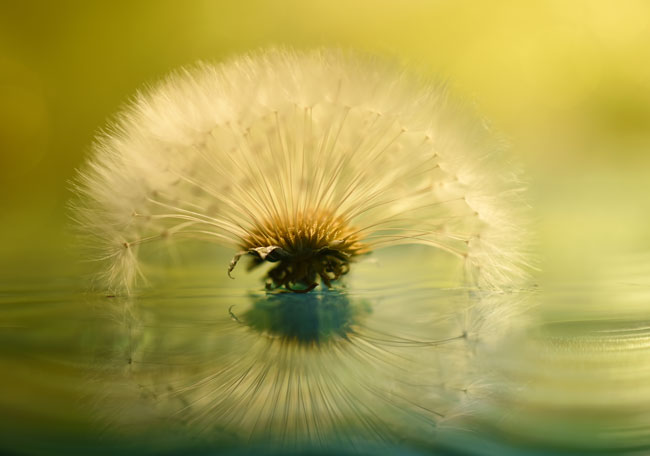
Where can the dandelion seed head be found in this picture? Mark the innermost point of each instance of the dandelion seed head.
(304, 159)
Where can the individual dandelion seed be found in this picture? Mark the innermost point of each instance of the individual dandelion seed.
(307, 160)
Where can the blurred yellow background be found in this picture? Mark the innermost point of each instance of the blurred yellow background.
(566, 83)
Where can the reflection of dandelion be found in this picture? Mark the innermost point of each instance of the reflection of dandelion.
(305, 160)
(322, 369)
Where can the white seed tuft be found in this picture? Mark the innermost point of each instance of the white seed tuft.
(303, 152)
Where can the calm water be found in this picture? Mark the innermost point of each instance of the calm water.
(394, 363)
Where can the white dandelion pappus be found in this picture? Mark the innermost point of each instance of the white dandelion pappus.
(306, 160)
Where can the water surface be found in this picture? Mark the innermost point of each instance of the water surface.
(394, 362)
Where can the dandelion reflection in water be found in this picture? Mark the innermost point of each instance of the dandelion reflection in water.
(339, 368)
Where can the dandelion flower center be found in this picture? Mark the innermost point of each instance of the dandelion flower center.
(308, 246)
